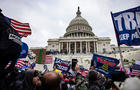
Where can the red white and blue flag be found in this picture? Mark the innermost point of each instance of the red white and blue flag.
(79, 30)
(22, 28)
(135, 70)
(20, 63)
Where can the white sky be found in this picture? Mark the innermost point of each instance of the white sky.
(50, 18)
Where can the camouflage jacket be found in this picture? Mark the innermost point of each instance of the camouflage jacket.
(80, 82)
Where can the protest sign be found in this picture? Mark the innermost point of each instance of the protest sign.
(104, 64)
(62, 65)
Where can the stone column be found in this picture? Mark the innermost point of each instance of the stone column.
(89, 46)
(75, 47)
(95, 46)
(62, 47)
(81, 47)
(59, 46)
(86, 47)
(67, 46)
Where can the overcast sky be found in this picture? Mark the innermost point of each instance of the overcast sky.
(49, 18)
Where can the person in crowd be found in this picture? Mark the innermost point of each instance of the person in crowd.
(80, 81)
(31, 80)
(93, 83)
(64, 81)
(19, 81)
(109, 85)
(93, 65)
(55, 68)
(69, 81)
(51, 81)
(101, 81)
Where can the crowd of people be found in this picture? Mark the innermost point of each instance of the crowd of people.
(11, 78)
(58, 80)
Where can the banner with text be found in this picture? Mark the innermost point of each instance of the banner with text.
(48, 60)
(104, 64)
(62, 65)
(127, 26)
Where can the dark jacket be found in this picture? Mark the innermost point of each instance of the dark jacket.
(28, 80)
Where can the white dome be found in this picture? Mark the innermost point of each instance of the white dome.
(78, 20)
(79, 23)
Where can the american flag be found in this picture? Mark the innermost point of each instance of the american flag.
(22, 28)
(20, 63)
(136, 70)
(79, 30)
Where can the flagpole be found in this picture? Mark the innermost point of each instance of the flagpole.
(118, 41)
(121, 58)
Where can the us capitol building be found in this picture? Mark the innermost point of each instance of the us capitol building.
(79, 42)
(79, 38)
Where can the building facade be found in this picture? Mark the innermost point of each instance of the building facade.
(79, 38)
(79, 42)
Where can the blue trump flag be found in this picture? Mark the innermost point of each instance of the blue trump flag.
(127, 26)
(105, 65)
(62, 65)
(24, 50)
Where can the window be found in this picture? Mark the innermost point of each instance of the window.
(104, 50)
(107, 42)
(53, 45)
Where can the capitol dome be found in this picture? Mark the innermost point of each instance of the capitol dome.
(78, 27)
(79, 20)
